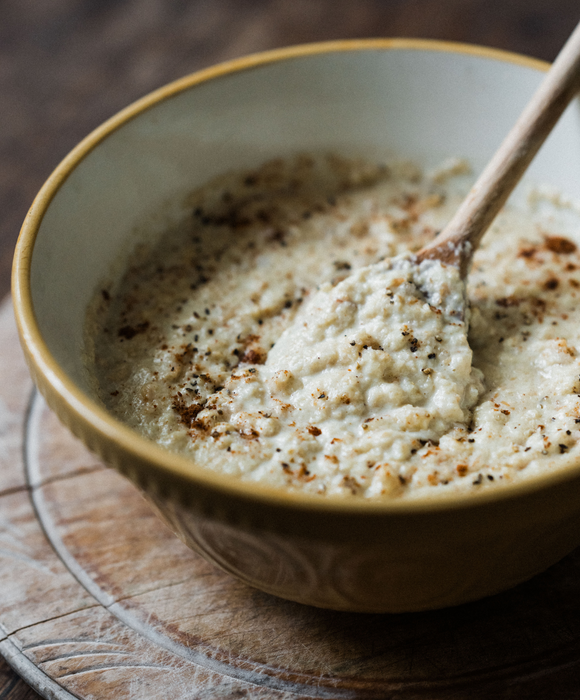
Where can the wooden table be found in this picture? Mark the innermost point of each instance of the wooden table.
(66, 65)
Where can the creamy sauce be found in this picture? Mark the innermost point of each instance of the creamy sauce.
(284, 336)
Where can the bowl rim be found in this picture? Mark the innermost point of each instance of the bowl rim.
(77, 408)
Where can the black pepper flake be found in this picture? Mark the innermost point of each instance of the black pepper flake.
(353, 343)
(568, 432)
(490, 477)
(288, 304)
(207, 312)
(260, 321)
(470, 440)
(478, 481)
(322, 396)
(129, 332)
(431, 355)
(210, 331)
(563, 448)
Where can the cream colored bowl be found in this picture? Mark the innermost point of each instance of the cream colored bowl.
(424, 100)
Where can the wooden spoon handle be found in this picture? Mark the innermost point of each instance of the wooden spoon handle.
(459, 239)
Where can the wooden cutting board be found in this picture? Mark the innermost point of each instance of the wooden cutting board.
(99, 600)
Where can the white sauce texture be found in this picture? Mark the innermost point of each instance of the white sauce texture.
(369, 371)
(285, 336)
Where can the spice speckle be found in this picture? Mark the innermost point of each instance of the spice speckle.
(201, 362)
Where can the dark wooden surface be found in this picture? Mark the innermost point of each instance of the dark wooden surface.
(66, 65)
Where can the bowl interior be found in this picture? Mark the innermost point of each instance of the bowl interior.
(377, 100)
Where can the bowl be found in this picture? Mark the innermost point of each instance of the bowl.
(422, 99)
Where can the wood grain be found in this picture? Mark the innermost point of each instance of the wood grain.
(93, 655)
(16, 387)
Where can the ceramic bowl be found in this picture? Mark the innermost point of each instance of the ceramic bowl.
(423, 100)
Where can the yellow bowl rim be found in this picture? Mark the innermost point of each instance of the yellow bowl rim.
(88, 413)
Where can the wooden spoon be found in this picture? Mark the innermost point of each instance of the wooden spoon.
(458, 241)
